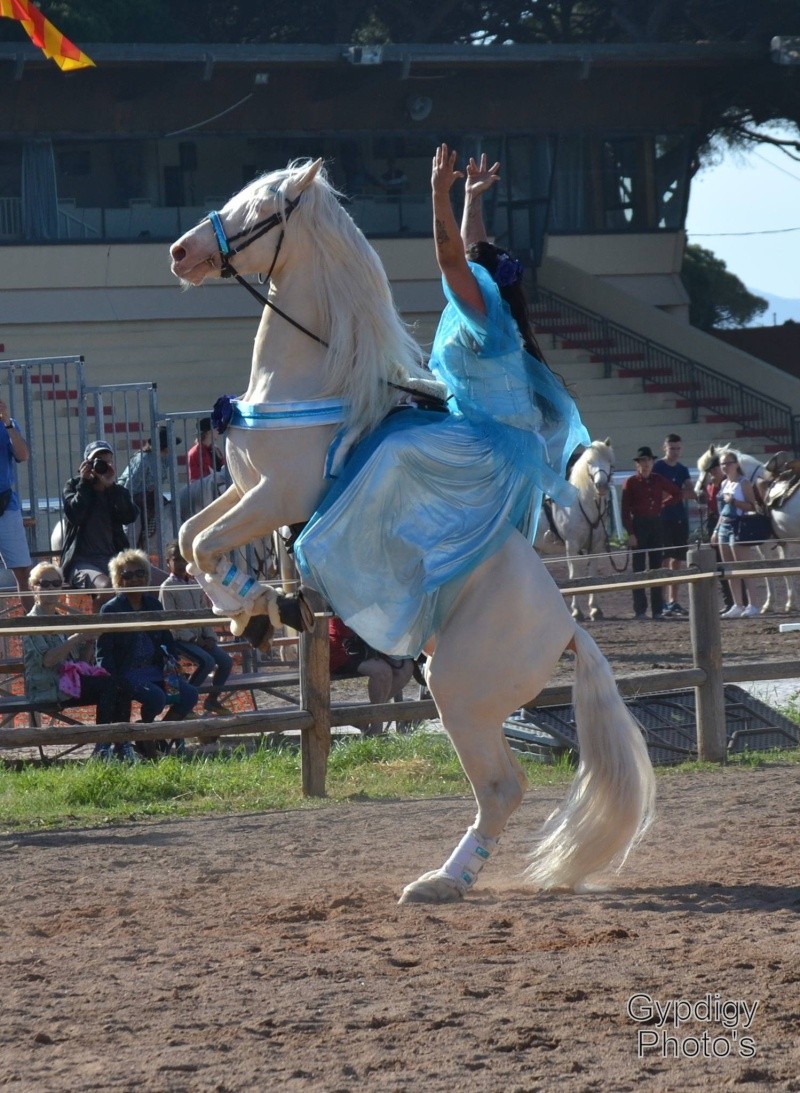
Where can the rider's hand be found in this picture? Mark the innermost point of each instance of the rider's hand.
(632, 542)
(443, 171)
(481, 177)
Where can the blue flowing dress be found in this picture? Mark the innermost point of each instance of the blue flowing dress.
(427, 497)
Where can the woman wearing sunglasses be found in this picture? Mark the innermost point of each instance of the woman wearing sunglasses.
(140, 657)
(58, 668)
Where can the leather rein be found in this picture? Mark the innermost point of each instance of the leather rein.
(250, 235)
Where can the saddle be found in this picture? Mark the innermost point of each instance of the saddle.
(783, 486)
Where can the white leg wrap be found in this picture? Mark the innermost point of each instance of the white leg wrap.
(229, 590)
(468, 858)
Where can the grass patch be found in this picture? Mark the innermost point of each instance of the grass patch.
(420, 765)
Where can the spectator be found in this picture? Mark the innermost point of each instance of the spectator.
(96, 510)
(714, 479)
(204, 457)
(180, 592)
(206, 472)
(144, 476)
(644, 495)
(45, 657)
(674, 515)
(386, 676)
(142, 658)
(13, 542)
(736, 497)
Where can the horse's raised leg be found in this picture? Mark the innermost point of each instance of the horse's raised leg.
(496, 651)
(229, 522)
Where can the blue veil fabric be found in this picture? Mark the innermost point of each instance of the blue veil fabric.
(427, 497)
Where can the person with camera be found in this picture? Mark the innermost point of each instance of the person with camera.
(96, 510)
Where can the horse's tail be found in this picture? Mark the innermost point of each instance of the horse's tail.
(610, 803)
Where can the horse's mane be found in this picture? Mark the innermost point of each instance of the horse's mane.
(580, 476)
(369, 345)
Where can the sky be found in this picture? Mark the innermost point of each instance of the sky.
(746, 209)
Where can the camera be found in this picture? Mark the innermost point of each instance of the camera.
(99, 466)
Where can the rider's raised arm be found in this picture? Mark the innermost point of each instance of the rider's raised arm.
(480, 178)
(449, 245)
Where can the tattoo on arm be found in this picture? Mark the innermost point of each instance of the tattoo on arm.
(441, 232)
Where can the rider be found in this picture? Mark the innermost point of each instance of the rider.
(440, 493)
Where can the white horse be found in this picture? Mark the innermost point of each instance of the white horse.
(581, 529)
(337, 338)
(785, 520)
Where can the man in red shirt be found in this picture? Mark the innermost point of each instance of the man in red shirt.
(204, 457)
(644, 495)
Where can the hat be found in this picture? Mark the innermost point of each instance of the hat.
(643, 453)
(163, 438)
(95, 446)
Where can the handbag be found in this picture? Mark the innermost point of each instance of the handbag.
(753, 527)
(5, 498)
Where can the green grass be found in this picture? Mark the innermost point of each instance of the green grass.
(390, 768)
(94, 792)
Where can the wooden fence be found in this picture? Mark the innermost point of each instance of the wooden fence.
(317, 715)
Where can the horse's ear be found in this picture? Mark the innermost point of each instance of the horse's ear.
(607, 441)
(712, 450)
(308, 175)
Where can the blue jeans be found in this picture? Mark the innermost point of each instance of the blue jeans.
(206, 660)
(147, 687)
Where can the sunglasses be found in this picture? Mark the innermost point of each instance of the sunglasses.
(50, 584)
(728, 463)
(133, 574)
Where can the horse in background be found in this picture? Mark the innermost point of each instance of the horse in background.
(784, 518)
(581, 530)
(332, 357)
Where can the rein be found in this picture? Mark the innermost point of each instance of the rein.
(261, 227)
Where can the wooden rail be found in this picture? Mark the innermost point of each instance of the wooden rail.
(316, 714)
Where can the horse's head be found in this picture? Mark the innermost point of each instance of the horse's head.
(245, 236)
(595, 468)
(707, 462)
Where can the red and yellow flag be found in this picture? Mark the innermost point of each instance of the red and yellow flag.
(44, 35)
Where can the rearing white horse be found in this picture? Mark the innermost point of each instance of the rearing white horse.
(582, 528)
(329, 347)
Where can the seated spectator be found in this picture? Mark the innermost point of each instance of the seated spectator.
(13, 541)
(96, 510)
(47, 657)
(144, 476)
(180, 592)
(142, 658)
(386, 676)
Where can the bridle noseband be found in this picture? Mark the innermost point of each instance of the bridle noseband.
(250, 235)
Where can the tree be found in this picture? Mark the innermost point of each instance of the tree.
(717, 298)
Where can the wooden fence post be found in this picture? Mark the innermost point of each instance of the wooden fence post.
(707, 655)
(315, 696)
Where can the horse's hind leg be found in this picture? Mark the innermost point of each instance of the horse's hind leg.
(497, 650)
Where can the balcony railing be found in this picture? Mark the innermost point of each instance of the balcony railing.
(697, 386)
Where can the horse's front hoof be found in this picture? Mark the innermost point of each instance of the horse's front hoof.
(259, 632)
(433, 887)
(296, 612)
(577, 614)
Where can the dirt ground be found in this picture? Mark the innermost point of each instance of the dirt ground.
(265, 952)
(261, 952)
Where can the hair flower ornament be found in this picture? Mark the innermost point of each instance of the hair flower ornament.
(222, 413)
(508, 271)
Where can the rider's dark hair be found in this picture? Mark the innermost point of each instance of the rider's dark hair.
(487, 255)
